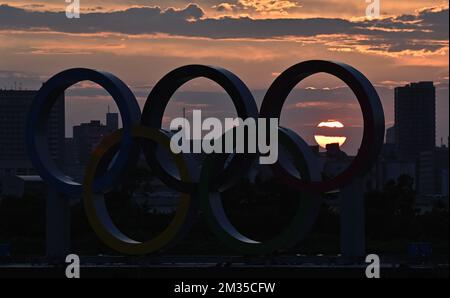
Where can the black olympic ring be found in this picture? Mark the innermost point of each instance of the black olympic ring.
(37, 144)
(156, 104)
(214, 177)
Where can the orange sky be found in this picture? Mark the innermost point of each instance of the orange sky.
(253, 8)
(409, 43)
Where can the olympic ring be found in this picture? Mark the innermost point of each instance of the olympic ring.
(371, 107)
(158, 99)
(307, 208)
(37, 144)
(208, 187)
(97, 212)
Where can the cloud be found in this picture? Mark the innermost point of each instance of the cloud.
(324, 105)
(132, 21)
(225, 7)
(259, 6)
(425, 31)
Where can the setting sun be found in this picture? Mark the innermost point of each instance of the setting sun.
(330, 132)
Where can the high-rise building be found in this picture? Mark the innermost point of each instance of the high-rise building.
(415, 119)
(86, 136)
(112, 122)
(14, 107)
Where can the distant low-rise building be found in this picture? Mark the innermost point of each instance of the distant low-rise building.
(390, 135)
(433, 172)
(88, 135)
(16, 186)
(389, 167)
(112, 122)
(445, 182)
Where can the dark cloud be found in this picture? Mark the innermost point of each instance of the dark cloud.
(132, 21)
(428, 30)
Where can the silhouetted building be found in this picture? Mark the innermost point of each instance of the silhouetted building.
(16, 186)
(389, 167)
(392, 170)
(86, 136)
(390, 135)
(415, 119)
(70, 152)
(14, 107)
(334, 151)
(389, 152)
(112, 122)
(334, 161)
(315, 149)
(433, 170)
(444, 186)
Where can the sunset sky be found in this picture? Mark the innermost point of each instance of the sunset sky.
(140, 41)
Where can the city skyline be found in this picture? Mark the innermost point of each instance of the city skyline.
(391, 51)
(96, 110)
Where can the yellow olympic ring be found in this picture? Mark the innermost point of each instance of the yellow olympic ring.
(97, 213)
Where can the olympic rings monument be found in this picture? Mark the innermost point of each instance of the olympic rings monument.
(204, 193)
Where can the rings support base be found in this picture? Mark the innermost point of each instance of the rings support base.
(57, 225)
(352, 220)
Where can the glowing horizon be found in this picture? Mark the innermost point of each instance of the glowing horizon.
(323, 140)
